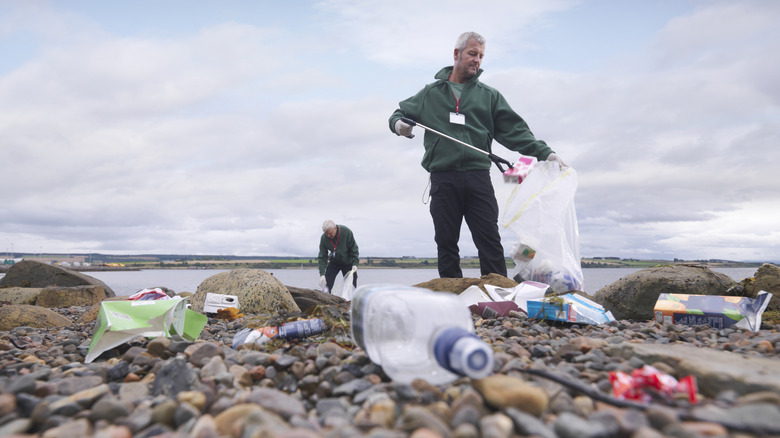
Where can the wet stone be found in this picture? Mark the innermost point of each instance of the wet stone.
(285, 361)
(119, 371)
(175, 375)
(276, 401)
(108, 408)
(352, 387)
(528, 424)
(24, 384)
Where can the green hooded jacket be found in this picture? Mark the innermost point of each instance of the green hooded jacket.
(488, 117)
(342, 249)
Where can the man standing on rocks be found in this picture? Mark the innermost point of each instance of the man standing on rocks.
(461, 106)
(338, 253)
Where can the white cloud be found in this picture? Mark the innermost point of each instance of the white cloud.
(242, 136)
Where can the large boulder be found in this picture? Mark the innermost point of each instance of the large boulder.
(258, 292)
(634, 296)
(766, 278)
(57, 296)
(19, 295)
(31, 273)
(458, 285)
(18, 315)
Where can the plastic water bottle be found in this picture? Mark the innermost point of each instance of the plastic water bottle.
(416, 333)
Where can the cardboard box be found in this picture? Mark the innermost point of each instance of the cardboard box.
(517, 173)
(716, 311)
(574, 309)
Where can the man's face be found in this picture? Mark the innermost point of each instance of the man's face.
(331, 232)
(468, 60)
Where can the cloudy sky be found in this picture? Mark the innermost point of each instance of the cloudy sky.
(237, 127)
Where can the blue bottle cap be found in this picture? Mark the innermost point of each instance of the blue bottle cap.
(461, 352)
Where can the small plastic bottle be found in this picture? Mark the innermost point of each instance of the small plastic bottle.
(416, 333)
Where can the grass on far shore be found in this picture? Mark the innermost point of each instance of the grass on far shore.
(398, 262)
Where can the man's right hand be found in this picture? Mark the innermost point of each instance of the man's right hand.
(322, 281)
(402, 128)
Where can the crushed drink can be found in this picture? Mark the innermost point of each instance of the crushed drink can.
(290, 330)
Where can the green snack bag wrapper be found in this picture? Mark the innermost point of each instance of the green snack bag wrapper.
(120, 321)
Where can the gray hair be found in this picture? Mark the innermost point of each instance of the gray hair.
(464, 38)
(328, 224)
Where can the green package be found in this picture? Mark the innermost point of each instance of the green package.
(120, 321)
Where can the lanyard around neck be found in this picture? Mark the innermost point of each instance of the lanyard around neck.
(453, 88)
(338, 236)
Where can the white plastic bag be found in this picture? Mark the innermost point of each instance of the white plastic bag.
(541, 212)
(343, 286)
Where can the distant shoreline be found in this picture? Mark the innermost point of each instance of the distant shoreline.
(466, 264)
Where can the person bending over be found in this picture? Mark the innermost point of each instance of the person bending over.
(338, 253)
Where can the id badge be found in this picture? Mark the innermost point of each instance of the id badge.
(457, 118)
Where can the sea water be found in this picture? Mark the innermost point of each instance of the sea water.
(187, 280)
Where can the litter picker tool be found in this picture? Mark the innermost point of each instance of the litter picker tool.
(510, 174)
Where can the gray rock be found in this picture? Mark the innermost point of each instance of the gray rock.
(24, 384)
(63, 296)
(132, 392)
(184, 413)
(496, 426)
(30, 273)
(527, 424)
(416, 417)
(17, 315)
(634, 296)
(569, 425)
(20, 295)
(308, 298)
(25, 403)
(766, 278)
(65, 407)
(16, 427)
(76, 384)
(175, 375)
(352, 387)
(661, 417)
(201, 353)
(118, 372)
(163, 413)
(212, 368)
(328, 404)
(277, 401)
(715, 371)
(761, 415)
(109, 409)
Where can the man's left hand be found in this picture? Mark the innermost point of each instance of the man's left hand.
(554, 157)
(354, 269)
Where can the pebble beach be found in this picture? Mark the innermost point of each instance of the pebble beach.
(550, 380)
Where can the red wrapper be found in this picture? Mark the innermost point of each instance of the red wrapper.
(633, 387)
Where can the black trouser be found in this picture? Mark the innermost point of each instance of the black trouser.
(333, 269)
(469, 195)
